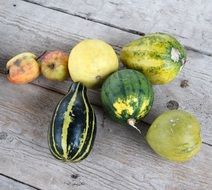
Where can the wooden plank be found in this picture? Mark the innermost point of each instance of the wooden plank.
(189, 21)
(11, 184)
(121, 159)
(48, 29)
(27, 30)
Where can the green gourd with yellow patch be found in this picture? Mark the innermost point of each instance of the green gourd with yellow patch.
(159, 56)
(73, 128)
(127, 96)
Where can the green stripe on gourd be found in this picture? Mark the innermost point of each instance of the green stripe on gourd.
(159, 56)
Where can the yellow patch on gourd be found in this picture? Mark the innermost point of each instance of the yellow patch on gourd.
(145, 104)
(122, 105)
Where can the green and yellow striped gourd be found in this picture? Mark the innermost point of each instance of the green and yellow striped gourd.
(73, 128)
(159, 56)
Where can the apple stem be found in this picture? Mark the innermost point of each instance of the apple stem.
(42, 54)
(131, 122)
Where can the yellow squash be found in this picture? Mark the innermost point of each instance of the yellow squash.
(91, 61)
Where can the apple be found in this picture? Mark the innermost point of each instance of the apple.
(54, 65)
(23, 68)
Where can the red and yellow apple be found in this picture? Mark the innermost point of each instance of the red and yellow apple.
(54, 65)
(23, 68)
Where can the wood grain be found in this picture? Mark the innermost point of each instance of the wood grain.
(190, 21)
(121, 159)
(27, 30)
(11, 184)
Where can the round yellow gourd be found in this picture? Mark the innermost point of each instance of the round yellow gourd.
(91, 61)
(175, 135)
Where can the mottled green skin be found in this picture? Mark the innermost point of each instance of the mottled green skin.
(175, 135)
(123, 84)
(152, 55)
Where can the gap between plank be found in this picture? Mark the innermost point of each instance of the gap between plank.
(86, 18)
(207, 144)
(108, 24)
(19, 181)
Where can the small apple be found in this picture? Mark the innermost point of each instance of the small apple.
(23, 68)
(54, 65)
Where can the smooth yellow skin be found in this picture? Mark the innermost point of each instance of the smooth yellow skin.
(175, 135)
(23, 68)
(91, 61)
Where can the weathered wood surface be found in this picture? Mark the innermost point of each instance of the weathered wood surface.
(11, 184)
(190, 21)
(121, 159)
(27, 30)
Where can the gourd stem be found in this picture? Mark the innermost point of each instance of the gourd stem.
(131, 122)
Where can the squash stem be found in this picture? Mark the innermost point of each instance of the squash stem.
(131, 122)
